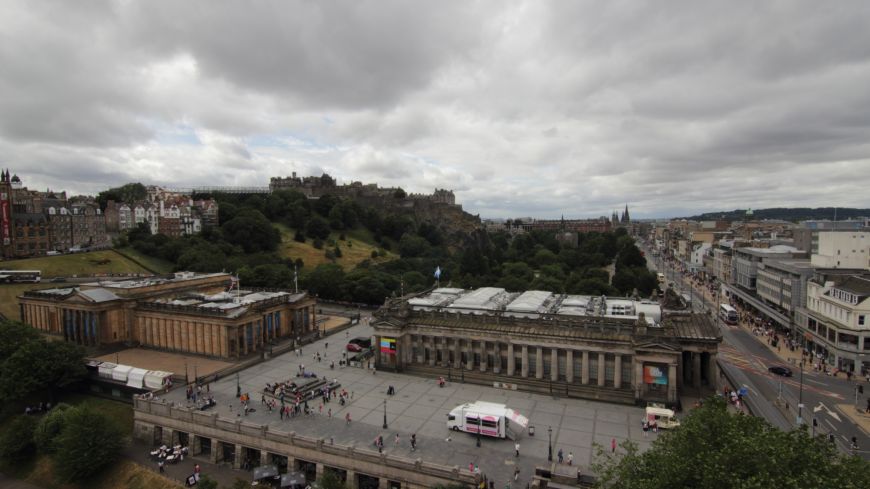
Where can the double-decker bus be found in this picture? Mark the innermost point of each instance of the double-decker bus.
(728, 314)
(20, 276)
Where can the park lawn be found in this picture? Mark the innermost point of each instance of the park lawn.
(81, 264)
(360, 249)
(8, 294)
(156, 265)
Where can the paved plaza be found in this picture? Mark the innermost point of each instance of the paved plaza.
(420, 406)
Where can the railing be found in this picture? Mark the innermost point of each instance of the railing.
(351, 453)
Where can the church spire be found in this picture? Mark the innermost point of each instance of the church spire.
(625, 218)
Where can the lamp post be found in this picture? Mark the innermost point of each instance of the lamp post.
(550, 443)
(448, 371)
(385, 414)
(186, 379)
(195, 376)
(801, 397)
(238, 386)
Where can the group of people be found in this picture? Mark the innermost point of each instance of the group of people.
(38, 408)
(379, 441)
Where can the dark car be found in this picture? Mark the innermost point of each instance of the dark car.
(780, 370)
(359, 344)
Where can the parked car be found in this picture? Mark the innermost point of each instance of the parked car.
(359, 344)
(780, 370)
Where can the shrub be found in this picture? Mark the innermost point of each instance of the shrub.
(16, 444)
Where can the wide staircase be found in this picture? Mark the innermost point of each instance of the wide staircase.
(623, 395)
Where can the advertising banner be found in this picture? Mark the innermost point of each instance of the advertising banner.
(5, 235)
(388, 346)
(655, 374)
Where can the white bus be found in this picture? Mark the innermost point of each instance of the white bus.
(489, 418)
(728, 314)
(19, 276)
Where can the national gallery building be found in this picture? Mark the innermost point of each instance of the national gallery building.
(611, 349)
(189, 313)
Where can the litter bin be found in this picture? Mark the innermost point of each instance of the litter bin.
(531, 431)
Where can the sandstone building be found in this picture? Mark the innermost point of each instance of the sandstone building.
(593, 347)
(188, 313)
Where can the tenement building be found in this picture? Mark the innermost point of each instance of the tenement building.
(190, 313)
(594, 347)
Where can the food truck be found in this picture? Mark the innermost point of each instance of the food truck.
(487, 418)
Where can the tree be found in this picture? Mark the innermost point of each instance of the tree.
(399, 193)
(41, 365)
(714, 448)
(411, 246)
(318, 228)
(49, 427)
(326, 281)
(330, 480)
(16, 443)
(252, 231)
(206, 482)
(13, 334)
(89, 441)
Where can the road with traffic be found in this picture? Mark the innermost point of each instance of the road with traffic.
(814, 397)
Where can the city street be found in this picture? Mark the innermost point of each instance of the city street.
(747, 357)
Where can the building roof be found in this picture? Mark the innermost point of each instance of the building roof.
(99, 295)
(858, 285)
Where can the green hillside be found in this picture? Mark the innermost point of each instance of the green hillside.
(357, 246)
(79, 264)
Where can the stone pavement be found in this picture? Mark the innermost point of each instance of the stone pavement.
(420, 407)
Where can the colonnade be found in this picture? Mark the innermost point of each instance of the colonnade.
(82, 327)
(537, 361)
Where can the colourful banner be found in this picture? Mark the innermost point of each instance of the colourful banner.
(4, 219)
(388, 346)
(653, 374)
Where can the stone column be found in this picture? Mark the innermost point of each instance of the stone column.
(215, 450)
(524, 369)
(584, 374)
(713, 372)
(237, 463)
(444, 348)
(432, 352)
(483, 362)
(617, 371)
(569, 366)
(511, 360)
(265, 458)
(469, 354)
(457, 353)
(696, 369)
(672, 382)
(421, 344)
(554, 364)
(539, 362)
(319, 471)
(601, 370)
(350, 483)
(291, 463)
(496, 358)
(383, 483)
(196, 445)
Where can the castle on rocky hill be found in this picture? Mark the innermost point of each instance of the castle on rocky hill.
(315, 187)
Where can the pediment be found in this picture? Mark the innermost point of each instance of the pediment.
(78, 298)
(656, 346)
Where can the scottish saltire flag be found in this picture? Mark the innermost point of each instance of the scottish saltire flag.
(438, 273)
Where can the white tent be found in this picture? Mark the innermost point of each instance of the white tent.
(154, 378)
(120, 372)
(136, 377)
(105, 370)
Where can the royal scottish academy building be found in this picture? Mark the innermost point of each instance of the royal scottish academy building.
(604, 348)
(203, 314)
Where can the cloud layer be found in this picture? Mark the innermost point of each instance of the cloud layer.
(535, 108)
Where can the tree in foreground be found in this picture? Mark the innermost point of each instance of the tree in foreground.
(88, 442)
(16, 443)
(331, 480)
(714, 448)
(50, 427)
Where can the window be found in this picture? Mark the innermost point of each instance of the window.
(861, 320)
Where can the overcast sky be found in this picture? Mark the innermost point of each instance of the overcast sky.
(522, 108)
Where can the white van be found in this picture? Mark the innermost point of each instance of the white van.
(491, 419)
(665, 418)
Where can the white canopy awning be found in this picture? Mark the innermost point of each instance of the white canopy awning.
(517, 418)
(136, 377)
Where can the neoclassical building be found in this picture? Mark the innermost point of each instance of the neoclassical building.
(579, 346)
(190, 313)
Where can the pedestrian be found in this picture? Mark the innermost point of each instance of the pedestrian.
(516, 473)
(561, 458)
(330, 414)
(645, 429)
(160, 465)
(517, 449)
(471, 466)
(397, 439)
(613, 445)
(347, 418)
(570, 458)
(413, 442)
(326, 346)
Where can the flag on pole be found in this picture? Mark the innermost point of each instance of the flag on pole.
(438, 273)
(234, 283)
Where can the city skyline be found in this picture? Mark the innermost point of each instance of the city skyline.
(532, 109)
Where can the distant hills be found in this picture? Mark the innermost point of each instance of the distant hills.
(793, 214)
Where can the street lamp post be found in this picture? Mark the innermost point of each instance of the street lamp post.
(550, 443)
(238, 386)
(479, 426)
(385, 414)
(448, 371)
(801, 397)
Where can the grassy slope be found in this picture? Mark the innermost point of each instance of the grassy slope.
(361, 249)
(94, 262)
(157, 265)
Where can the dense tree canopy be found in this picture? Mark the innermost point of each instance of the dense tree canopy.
(33, 364)
(88, 442)
(716, 449)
